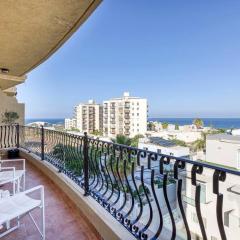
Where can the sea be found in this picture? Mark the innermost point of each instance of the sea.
(225, 123)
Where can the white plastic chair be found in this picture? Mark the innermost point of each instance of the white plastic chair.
(13, 207)
(11, 175)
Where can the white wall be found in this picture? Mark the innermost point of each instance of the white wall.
(223, 152)
(174, 151)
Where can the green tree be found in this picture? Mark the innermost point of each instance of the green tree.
(199, 145)
(9, 117)
(122, 139)
(198, 123)
(75, 129)
(97, 133)
(179, 142)
(151, 126)
(165, 125)
(176, 127)
(135, 140)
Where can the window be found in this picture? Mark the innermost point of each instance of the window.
(159, 151)
(171, 154)
(138, 103)
(132, 114)
(137, 114)
(137, 130)
(213, 238)
(137, 124)
(226, 218)
(145, 148)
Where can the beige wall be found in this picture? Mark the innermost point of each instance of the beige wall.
(8, 103)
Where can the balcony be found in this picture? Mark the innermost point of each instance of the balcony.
(143, 194)
(62, 220)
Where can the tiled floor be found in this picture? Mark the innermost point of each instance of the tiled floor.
(63, 221)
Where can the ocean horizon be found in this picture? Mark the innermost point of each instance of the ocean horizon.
(226, 123)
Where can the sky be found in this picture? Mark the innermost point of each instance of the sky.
(183, 56)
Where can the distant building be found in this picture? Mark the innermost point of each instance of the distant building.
(126, 115)
(162, 146)
(70, 123)
(223, 149)
(89, 117)
(236, 132)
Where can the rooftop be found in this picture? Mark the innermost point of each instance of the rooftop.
(224, 137)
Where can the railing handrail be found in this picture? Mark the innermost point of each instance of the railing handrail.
(182, 159)
(115, 176)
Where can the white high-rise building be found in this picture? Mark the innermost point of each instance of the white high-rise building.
(126, 115)
(70, 123)
(89, 117)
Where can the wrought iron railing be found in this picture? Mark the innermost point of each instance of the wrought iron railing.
(147, 192)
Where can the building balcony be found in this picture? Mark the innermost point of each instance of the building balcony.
(124, 192)
(127, 127)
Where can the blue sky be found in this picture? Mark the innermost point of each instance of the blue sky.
(183, 56)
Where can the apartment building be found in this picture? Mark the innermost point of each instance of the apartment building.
(126, 115)
(89, 117)
(70, 123)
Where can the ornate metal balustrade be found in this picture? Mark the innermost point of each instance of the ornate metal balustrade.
(150, 194)
(9, 136)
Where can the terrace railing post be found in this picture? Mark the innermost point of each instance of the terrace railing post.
(86, 164)
(42, 143)
(18, 137)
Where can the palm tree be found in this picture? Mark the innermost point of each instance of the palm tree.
(165, 125)
(122, 139)
(135, 140)
(199, 145)
(198, 123)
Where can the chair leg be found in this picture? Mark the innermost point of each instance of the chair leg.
(43, 219)
(24, 182)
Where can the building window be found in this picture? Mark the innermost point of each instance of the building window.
(137, 130)
(213, 238)
(226, 218)
(159, 151)
(171, 154)
(145, 148)
(138, 103)
(137, 114)
(132, 114)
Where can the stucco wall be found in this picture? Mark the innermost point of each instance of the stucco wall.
(11, 104)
